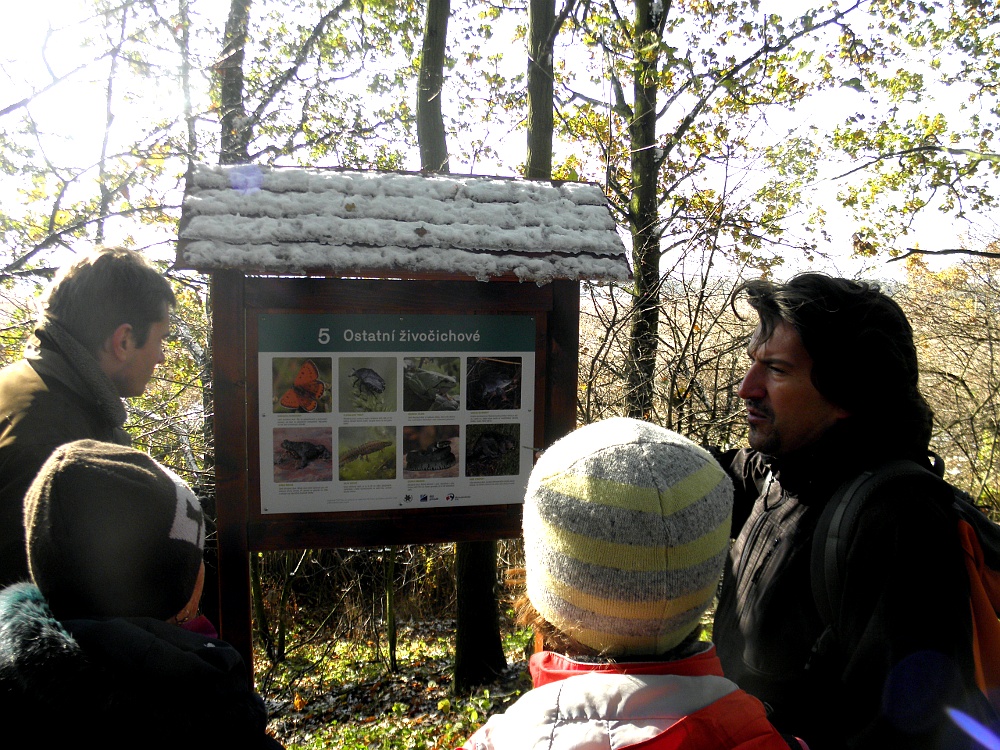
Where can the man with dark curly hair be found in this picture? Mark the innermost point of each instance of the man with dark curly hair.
(832, 391)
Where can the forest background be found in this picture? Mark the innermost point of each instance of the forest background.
(734, 139)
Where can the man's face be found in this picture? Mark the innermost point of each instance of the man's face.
(784, 410)
(140, 361)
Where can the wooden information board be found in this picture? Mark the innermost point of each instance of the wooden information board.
(369, 412)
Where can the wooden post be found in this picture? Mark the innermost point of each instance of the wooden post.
(229, 377)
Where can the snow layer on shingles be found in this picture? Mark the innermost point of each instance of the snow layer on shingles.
(296, 220)
(558, 210)
(542, 240)
(293, 258)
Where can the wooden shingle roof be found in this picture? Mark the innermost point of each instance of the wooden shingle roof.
(306, 221)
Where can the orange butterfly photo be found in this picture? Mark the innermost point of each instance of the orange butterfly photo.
(302, 385)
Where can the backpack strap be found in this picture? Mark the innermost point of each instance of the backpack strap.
(836, 527)
(829, 539)
(978, 535)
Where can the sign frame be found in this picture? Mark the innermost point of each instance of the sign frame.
(239, 299)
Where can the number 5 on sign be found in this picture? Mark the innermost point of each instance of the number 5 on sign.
(324, 335)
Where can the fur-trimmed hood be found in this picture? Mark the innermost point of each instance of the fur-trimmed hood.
(39, 659)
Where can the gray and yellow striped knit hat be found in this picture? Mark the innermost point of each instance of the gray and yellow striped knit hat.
(626, 527)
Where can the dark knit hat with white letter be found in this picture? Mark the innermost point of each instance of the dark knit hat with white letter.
(626, 527)
(112, 533)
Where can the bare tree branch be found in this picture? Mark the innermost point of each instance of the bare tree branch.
(949, 251)
(929, 149)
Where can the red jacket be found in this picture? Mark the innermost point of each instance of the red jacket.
(663, 705)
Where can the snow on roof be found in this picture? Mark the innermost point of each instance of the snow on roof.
(302, 221)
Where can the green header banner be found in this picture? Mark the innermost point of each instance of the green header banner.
(391, 333)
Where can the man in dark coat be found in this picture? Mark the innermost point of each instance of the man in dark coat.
(832, 391)
(99, 337)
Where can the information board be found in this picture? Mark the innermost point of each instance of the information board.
(372, 412)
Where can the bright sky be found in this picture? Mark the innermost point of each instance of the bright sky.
(44, 39)
(21, 43)
(22, 40)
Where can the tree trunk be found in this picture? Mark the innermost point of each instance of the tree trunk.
(235, 137)
(541, 22)
(430, 120)
(259, 611)
(643, 223)
(389, 574)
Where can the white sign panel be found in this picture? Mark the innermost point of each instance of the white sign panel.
(372, 412)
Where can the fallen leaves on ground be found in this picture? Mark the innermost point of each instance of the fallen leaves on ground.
(412, 707)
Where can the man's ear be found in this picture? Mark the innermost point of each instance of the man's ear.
(118, 343)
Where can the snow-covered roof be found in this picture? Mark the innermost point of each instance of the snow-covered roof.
(303, 221)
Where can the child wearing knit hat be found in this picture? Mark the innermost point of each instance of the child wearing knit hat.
(626, 527)
(91, 645)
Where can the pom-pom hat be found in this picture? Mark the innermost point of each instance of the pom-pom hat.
(626, 527)
(112, 533)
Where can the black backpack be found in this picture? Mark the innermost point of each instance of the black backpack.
(979, 536)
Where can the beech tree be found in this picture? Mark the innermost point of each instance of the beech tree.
(431, 134)
(543, 30)
(914, 154)
(676, 130)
